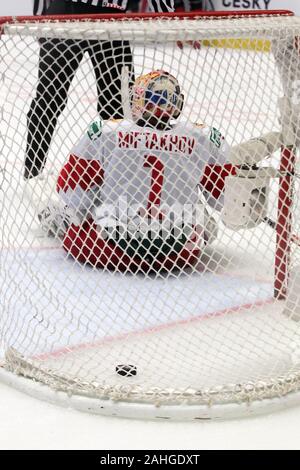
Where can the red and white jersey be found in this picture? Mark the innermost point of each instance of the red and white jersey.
(140, 167)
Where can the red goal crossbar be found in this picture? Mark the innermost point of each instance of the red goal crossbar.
(145, 16)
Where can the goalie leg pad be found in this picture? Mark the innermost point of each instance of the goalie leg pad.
(86, 245)
(55, 220)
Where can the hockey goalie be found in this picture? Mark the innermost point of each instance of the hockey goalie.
(140, 194)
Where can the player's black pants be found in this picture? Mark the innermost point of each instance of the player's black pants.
(59, 60)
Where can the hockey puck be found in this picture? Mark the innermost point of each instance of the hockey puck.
(126, 370)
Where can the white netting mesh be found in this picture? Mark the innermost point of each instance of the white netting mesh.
(111, 256)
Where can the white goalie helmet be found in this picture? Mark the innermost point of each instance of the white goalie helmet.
(157, 95)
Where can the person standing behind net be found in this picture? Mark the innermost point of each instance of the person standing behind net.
(58, 62)
(179, 5)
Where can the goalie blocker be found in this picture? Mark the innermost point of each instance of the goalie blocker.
(246, 193)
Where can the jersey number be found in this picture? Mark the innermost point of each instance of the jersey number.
(157, 181)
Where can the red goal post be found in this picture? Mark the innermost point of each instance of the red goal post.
(233, 313)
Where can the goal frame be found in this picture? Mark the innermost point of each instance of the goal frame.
(281, 266)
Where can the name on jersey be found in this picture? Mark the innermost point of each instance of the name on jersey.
(165, 142)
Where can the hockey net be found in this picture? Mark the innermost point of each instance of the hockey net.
(214, 337)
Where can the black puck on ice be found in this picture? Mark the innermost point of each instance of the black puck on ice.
(126, 370)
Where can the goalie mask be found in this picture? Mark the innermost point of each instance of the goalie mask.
(156, 96)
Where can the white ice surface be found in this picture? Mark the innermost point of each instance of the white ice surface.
(54, 300)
